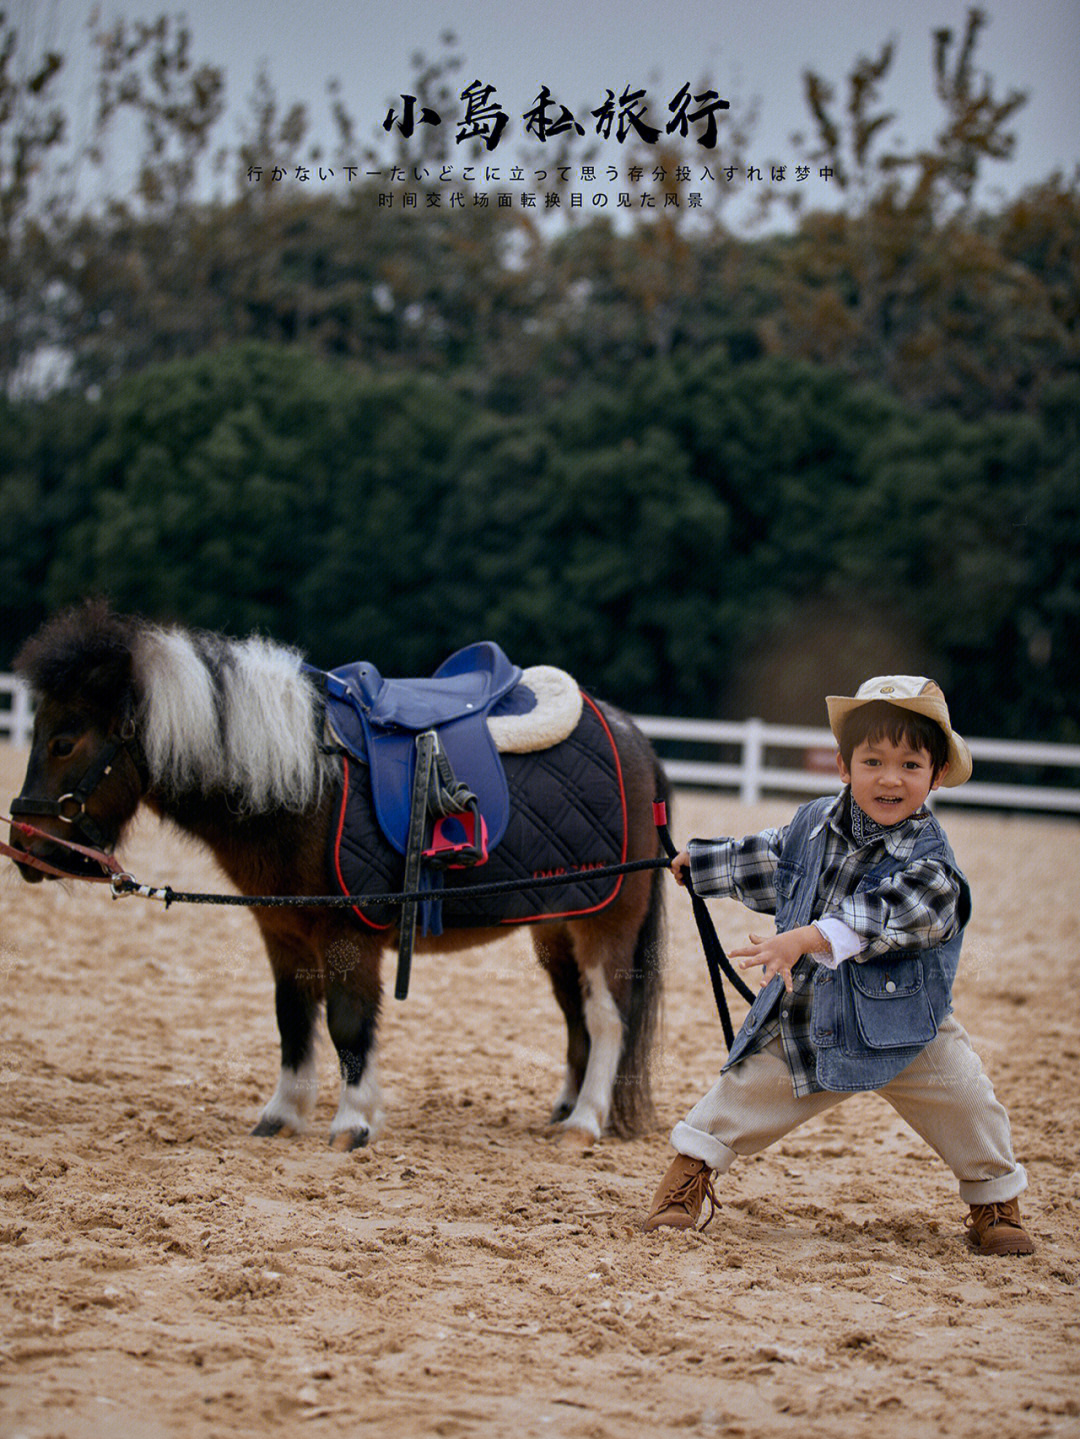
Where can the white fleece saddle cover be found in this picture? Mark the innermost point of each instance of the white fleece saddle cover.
(554, 716)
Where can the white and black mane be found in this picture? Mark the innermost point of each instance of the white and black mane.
(213, 715)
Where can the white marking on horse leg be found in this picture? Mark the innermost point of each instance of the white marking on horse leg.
(360, 1115)
(292, 1102)
(605, 1026)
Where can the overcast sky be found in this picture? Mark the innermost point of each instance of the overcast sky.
(746, 49)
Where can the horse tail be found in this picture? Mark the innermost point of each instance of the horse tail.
(632, 1111)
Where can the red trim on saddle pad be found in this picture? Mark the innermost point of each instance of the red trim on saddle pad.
(361, 916)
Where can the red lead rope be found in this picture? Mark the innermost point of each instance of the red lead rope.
(109, 863)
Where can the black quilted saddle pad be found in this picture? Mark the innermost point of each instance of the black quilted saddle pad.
(567, 812)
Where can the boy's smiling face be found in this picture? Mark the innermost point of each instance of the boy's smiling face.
(889, 782)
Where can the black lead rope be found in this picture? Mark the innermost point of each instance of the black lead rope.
(715, 958)
(124, 885)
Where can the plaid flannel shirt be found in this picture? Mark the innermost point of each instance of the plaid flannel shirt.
(916, 908)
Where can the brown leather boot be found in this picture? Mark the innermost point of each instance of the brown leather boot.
(683, 1190)
(996, 1229)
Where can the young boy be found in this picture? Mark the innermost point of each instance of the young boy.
(870, 909)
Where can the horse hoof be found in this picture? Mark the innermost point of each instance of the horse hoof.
(347, 1140)
(561, 1112)
(574, 1138)
(274, 1128)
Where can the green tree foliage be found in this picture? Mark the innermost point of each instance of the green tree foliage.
(652, 536)
(257, 489)
(907, 285)
(700, 470)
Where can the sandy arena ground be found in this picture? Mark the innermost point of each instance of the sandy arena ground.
(164, 1274)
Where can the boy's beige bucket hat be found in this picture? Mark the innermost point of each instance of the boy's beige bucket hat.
(909, 692)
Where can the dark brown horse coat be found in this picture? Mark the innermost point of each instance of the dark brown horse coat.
(223, 738)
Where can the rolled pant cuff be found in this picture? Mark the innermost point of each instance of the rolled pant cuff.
(696, 1144)
(994, 1191)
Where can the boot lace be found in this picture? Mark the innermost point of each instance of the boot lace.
(989, 1216)
(692, 1193)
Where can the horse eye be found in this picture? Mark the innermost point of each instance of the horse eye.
(61, 748)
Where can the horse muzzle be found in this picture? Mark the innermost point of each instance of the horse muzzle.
(37, 855)
(14, 849)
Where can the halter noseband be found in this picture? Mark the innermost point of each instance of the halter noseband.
(70, 808)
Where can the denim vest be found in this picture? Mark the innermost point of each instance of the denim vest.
(870, 1019)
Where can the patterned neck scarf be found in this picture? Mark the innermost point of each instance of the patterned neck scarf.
(864, 830)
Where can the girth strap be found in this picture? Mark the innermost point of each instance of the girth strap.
(435, 792)
(414, 851)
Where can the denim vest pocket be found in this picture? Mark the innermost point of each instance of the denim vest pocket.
(891, 1004)
(786, 879)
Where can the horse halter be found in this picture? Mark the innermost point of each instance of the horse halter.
(70, 808)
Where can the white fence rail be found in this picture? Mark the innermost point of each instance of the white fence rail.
(754, 772)
(16, 713)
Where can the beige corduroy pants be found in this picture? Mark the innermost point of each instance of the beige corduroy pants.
(944, 1094)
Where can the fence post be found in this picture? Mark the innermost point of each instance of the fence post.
(22, 715)
(752, 755)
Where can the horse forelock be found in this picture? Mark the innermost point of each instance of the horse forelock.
(83, 654)
(233, 716)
